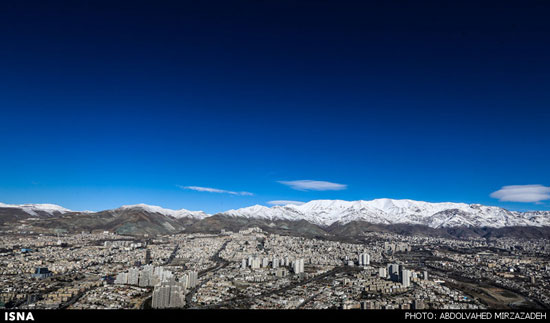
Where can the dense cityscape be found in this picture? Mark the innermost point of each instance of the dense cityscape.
(254, 269)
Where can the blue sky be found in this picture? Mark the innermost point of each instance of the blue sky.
(115, 103)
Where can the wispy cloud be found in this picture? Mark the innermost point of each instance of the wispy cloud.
(213, 190)
(309, 185)
(522, 193)
(285, 202)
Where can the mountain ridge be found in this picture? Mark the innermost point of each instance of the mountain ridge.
(392, 211)
(325, 213)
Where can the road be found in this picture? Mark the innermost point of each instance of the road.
(306, 301)
(76, 297)
(172, 256)
(220, 263)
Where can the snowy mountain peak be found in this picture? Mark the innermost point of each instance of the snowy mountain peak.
(182, 213)
(37, 209)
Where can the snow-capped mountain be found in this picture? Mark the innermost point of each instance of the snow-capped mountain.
(389, 211)
(178, 214)
(37, 209)
(327, 212)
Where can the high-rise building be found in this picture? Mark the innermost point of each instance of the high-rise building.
(144, 279)
(364, 259)
(42, 272)
(185, 281)
(161, 296)
(255, 263)
(405, 276)
(147, 256)
(133, 276)
(177, 296)
(382, 272)
(122, 278)
(298, 266)
(393, 272)
(193, 279)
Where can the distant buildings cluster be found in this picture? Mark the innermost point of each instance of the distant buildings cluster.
(390, 247)
(149, 276)
(253, 262)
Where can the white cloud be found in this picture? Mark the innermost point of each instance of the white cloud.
(285, 202)
(522, 193)
(309, 185)
(213, 190)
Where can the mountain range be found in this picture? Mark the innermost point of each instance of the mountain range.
(317, 217)
(388, 211)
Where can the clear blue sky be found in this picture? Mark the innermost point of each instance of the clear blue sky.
(113, 103)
